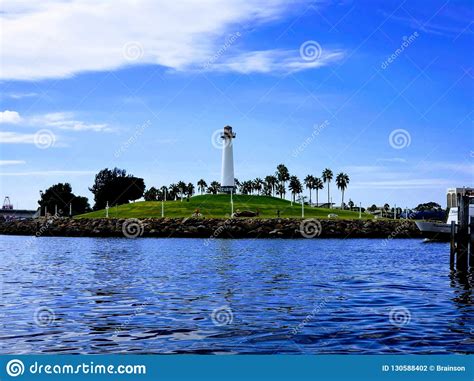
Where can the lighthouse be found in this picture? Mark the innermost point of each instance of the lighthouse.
(227, 173)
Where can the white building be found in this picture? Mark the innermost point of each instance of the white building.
(227, 173)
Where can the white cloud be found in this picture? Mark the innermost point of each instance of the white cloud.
(392, 160)
(429, 183)
(66, 121)
(8, 137)
(12, 162)
(22, 95)
(9, 117)
(268, 61)
(400, 175)
(60, 120)
(66, 38)
(48, 173)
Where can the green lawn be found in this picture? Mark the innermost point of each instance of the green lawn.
(218, 206)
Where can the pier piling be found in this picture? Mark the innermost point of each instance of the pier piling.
(461, 243)
(471, 243)
(452, 246)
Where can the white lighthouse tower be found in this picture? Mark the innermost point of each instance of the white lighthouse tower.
(227, 174)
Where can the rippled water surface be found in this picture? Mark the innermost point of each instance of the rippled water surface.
(87, 295)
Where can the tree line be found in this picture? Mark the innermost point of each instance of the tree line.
(272, 185)
(115, 187)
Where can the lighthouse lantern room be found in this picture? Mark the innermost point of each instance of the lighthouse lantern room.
(227, 173)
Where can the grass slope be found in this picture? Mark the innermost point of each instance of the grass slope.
(218, 206)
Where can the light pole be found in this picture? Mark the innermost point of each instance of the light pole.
(41, 196)
(163, 203)
(231, 203)
(107, 210)
(360, 210)
(302, 205)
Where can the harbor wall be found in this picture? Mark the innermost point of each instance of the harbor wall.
(212, 228)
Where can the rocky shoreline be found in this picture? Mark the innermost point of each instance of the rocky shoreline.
(211, 228)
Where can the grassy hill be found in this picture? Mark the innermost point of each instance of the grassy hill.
(218, 206)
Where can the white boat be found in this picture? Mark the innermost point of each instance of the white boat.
(442, 231)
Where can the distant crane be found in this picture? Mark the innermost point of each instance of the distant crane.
(7, 205)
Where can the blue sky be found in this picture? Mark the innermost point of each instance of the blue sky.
(143, 85)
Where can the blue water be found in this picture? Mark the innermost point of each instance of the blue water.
(87, 295)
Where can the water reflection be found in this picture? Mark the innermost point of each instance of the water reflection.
(233, 296)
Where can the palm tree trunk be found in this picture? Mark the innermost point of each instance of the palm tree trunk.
(329, 203)
(309, 196)
(317, 197)
(342, 201)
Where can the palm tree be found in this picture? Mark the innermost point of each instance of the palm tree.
(202, 185)
(257, 185)
(267, 191)
(246, 187)
(281, 190)
(190, 189)
(350, 204)
(342, 180)
(327, 177)
(309, 182)
(282, 174)
(173, 191)
(318, 185)
(214, 187)
(295, 186)
(164, 191)
(236, 184)
(271, 182)
(182, 188)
